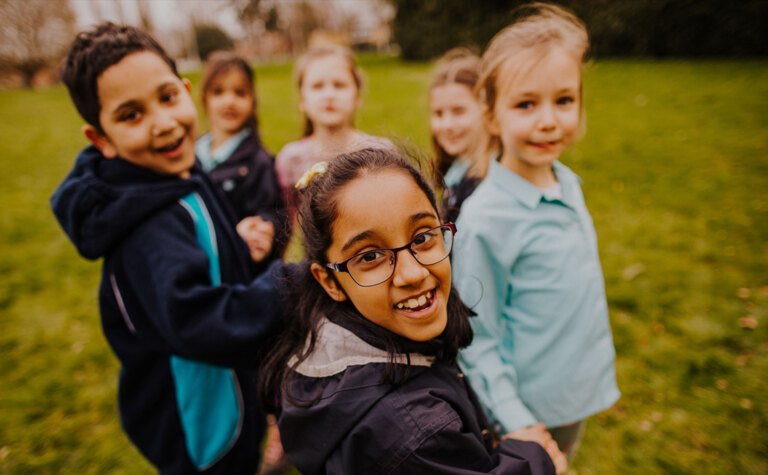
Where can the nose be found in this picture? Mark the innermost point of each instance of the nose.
(408, 271)
(547, 120)
(163, 123)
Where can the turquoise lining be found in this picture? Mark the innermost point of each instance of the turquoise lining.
(208, 396)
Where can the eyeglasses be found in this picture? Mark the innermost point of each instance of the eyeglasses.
(375, 266)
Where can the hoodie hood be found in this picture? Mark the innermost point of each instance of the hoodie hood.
(339, 382)
(102, 200)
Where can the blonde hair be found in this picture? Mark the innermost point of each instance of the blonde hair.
(538, 28)
(319, 52)
(459, 66)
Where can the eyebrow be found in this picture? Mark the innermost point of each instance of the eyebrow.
(415, 218)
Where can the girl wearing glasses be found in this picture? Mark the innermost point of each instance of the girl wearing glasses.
(366, 374)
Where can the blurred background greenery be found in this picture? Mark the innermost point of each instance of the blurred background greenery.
(674, 168)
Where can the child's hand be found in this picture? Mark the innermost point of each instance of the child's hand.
(538, 433)
(258, 234)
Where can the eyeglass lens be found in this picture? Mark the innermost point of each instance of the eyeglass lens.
(374, 267)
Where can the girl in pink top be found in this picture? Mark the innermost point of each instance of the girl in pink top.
(330, 84)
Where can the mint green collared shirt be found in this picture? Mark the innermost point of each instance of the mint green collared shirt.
(210, 159)
(529, 267)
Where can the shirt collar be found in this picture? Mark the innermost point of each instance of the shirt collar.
(524, 191)
(211, 159)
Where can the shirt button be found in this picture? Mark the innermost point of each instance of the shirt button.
(460, 376)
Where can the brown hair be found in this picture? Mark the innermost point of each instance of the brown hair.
(321, 52)
(220, 62)
(537, 28)
(459, 66)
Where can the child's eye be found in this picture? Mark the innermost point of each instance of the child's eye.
(129, 116)
(241, 93)
(565, 100)
(524, 105)
(369, 258)
(168, 96)
(340, 85)
(424, 240)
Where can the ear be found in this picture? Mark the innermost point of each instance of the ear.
(327, 282)
(99, 140)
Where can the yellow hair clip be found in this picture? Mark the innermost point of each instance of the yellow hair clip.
(316, 169)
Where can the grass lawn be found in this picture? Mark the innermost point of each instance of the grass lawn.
(675, 172)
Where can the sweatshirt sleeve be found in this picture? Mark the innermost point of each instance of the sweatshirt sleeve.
(266, 200)
(162, 276)
(481, 282)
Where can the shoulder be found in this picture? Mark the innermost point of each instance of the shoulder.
(292, 150)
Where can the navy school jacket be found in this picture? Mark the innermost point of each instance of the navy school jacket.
(346, 420)
(248, 181)
(163, 317)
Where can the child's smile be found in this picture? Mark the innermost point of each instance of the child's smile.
(412, 302)
(147, 115)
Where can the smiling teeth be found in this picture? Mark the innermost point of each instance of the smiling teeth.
(415, 302)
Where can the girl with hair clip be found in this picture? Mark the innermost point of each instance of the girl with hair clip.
(235, 160)
(460, 139)
(367, 368)
(330, 86)
(543, 358)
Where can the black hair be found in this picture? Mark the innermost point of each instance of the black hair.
(95, 50)
(311, 304)
(219, 62)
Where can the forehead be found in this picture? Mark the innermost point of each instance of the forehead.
(383, 202)
(541, 70)
(231, 76)
(333, 66)
(136, 75)
(452, 93)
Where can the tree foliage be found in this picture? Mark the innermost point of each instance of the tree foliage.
(211, 38)
(34, 34)
(650, 28)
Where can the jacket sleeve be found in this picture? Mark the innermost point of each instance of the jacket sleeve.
(267, 201)
(481, 282)
(163, 278)
(452, 451)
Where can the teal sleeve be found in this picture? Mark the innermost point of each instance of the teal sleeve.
(480, 279)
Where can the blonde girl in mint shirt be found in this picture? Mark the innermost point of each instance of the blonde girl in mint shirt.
(526, 258)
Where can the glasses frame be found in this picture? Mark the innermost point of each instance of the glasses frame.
(342, 266)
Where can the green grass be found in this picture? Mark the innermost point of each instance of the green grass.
(675, 170)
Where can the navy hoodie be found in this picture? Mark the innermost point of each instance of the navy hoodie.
(157, 302)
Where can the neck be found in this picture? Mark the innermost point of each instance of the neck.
(541, 176)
